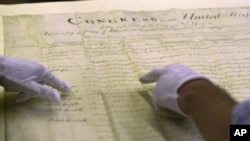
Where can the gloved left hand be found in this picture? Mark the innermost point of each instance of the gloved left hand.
(29, 79)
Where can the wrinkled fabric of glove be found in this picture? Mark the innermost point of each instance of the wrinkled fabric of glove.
(169, 79)
(30, 79)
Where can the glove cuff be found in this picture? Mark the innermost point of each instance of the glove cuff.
(170, 100)
(173, 110)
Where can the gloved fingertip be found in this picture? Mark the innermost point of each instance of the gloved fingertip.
(23, 97)
(64, 87)
(67, 87)
(146, 79)
(142, 79)
(152, 76)
(55, 97)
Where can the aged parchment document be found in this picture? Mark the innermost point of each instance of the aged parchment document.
(102, 54)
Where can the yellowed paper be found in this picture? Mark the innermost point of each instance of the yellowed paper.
(102, 54)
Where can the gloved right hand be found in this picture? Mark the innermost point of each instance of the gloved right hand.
(30, 79)
(169, 79)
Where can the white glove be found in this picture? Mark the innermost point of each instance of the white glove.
(28, 78)
(169, 80)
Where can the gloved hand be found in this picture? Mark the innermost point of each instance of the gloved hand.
(169, 79)
(28, 78)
